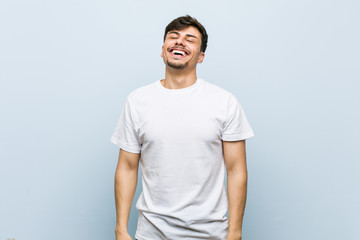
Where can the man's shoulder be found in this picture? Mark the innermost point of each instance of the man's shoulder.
(143, 91)
(215, 89)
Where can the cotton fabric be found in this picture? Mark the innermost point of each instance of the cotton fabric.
(179, 133)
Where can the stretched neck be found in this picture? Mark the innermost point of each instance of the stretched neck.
(179, 78)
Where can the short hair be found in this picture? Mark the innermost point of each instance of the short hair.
(183, 22)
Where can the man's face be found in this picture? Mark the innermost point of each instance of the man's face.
(181, 48)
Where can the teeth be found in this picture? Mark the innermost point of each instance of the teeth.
(180, 52)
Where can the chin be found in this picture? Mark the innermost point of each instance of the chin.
(176, 65)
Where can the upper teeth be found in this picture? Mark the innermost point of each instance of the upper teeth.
(180, 52)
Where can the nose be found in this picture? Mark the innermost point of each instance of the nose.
(180, 41)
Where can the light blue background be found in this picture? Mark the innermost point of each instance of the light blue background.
(66, 68)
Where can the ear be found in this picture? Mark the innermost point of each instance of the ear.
(162, 51)
(201, 57)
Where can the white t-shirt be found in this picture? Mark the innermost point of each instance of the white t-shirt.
(179, 133)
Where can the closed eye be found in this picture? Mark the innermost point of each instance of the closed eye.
(173, 35)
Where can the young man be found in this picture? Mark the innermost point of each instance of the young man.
(183, 131)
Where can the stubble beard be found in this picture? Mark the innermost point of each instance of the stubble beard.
(176, 65)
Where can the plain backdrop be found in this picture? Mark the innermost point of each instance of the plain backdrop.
(66, 67)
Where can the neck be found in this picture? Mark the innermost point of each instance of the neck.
(178, 78)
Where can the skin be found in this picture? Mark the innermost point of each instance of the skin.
(188, 39)
(125, 185)
(235, 162)
(180, 72)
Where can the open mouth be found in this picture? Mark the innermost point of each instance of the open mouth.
(176, 52)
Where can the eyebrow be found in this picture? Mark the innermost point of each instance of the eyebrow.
(177, 33)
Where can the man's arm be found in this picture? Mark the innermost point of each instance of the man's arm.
(125, 186)
(235, 161)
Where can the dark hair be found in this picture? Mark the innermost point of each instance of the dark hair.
(183, 22)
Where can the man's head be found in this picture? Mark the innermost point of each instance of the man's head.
(183, 22)
(185, 42)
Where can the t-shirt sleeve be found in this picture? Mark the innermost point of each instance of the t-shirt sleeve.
(236, 126)
(125, 135)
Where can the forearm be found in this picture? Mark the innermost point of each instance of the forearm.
(125, 186)
(236, 190)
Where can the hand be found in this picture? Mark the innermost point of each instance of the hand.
(123, 236)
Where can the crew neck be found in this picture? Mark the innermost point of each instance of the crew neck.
(186, 89)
